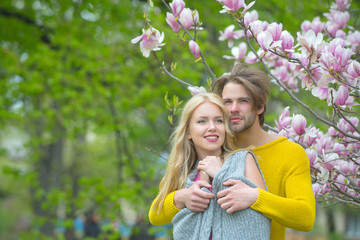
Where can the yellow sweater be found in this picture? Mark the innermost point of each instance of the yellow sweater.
(289, 201)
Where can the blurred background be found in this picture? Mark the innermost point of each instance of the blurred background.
(84, 123)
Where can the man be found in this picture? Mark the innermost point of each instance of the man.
(289, 201)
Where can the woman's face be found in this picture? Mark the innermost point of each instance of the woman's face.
(207, 130)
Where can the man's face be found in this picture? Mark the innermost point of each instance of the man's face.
(238, 103)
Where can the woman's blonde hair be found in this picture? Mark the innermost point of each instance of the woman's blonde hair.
(183, 157)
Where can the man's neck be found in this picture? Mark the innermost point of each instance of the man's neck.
(254, 136)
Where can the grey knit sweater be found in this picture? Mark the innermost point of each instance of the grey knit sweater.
(246, 224)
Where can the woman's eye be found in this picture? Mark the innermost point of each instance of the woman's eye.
(219, 121)
(201, 121)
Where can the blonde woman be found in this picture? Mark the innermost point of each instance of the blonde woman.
(203, 153)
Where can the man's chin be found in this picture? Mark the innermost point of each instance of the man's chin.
(236, 129)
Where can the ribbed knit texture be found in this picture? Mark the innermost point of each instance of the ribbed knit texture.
(247, 224)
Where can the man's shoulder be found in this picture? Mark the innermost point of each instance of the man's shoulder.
(281, 145)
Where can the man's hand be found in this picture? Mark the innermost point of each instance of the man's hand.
(193, 197)
(237, 197)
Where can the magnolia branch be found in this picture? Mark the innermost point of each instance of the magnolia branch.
(192, 38)
(168, 73)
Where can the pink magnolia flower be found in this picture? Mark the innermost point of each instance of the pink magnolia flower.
(341, 18)
(275, 29)
(250, 17)
(150, 40)
(353, 40)
(343, 56)
(195, 49)
(330, 160)
(265, 39)
(321, 93)
(298, 123)
(188, 18)
(316, 74)
(342, 182)
(353, 69)
(177, 6)
(342, 97)
(305, 26)
(257, 27)
(340, 34)
(317, 189)
(312, 155)
(324, 172)
(310, 136)
(251, 58)
(196, 90)
(171, 20)
(332, 131)
(284, 119)
(310, 42)
(331, 28)
(287, 40)
(316, 25)
(238, 52)
(233, 5)
(340, 149)
(283, 73)
(346, 126)
(341, 4)
(230, 35)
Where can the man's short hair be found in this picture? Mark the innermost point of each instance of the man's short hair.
(255, 81)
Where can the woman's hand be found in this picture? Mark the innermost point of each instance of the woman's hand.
(211, 165)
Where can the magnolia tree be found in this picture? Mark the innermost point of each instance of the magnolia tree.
(321, 59)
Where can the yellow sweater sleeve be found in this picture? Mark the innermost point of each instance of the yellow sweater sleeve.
(167, 212)
(295, 208)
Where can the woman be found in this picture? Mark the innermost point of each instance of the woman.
(200, 143)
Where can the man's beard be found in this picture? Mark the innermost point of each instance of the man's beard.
(247, 123)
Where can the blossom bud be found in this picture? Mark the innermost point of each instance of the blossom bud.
(233, 5)
(177, 6)
(341, 96)
(287, 40)
(284, 119)
(299, 124)
(196, 90)
(186, 18)
(275, 30)
(170, 19)
(195, 49)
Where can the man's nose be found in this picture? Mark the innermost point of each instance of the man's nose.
(234, 107)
